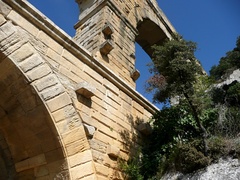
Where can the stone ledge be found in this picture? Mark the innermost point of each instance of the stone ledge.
(113, 151)
(85, 89)
(106, 47)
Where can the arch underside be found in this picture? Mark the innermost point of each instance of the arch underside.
(149, 34)
(29, 145)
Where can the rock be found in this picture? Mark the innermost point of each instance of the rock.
(225, 169)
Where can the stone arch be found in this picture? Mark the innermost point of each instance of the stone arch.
(149, 33)
(37, 117)
(29, 134)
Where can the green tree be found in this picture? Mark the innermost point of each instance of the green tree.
(175, 70)
(227, 64)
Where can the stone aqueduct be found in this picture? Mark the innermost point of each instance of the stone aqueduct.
(68, 106)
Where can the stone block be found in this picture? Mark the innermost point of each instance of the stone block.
(2, 19)
(106, 47)
(138, 107)
(80, 158)
(73, 59)
(90, 130)
(41, 171)
(22, 22)
(42, 36)
(99, 146)
(30, 163)
(107, 29)
(77, 147)
(93, 75)
(57, 166)
(31, 62)
(83, 170)
(46, 82)
(108, 129)
(69, 74)
(113, 151)
(145, 128)
(135, 74)
(4, 8)
(110, 162)
(6, 30)
(58, 102)
(52, 92)
(85, 89)
(54, 155)
(102, 170)
(111, 86)
(38, 72)
(64, 113)
(22, 53)
(75, 135)
(99, 177)
(103, 137)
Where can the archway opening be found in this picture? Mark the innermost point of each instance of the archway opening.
(29, 144)
(149, 34)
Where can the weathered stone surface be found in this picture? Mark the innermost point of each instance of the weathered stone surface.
(82, 171)
(106, 47)
(85, 89)
(40, 67)
(2, 19)
(30, 163)
(25, 51)
(90, 130)
(80, 158)
(59, 102)
(6, 30)
(135, 74)
(31, 62)
(41, 171)
(64, 113)
(113, 151)
(107, 29)
(25, 24)
(46, 82)
(4, 8)
(38, 72)
(52, 92)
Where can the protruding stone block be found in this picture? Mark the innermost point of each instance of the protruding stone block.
(113, 151)
(106, 47)
(135, 74)
(85, 89)
(107, 29)
(90, 130)
(145, 128)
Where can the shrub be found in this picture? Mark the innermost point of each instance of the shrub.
(188, 159)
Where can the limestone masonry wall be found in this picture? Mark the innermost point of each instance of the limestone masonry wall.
(66, 110)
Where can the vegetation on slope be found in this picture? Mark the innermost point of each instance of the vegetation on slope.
(204, 123)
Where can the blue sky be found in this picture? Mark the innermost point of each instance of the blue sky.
(213, 24)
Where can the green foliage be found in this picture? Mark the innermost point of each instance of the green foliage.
(228, 94)
(132, 168)
(227, 64)
(171, 126)
(179, 140)
(188, 159)
(222, 147)
(174, 69)
(227, 100)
